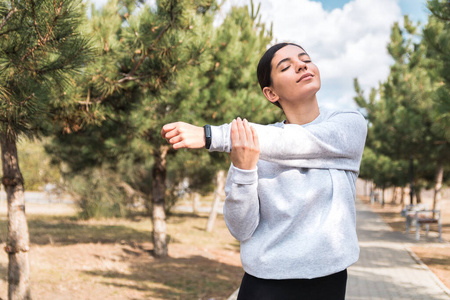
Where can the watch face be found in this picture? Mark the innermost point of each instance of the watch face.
(207, 131)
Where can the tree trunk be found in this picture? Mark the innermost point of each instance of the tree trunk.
(220, 184)
(366, 182)
(402, 197)
(158, 208)
(438, 185)
(372, 193)
(195, 202)
(418, 193)
(394, 195)
(18, 240)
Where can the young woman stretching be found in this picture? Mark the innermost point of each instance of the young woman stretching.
(290, 191)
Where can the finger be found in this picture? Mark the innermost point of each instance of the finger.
(172, 133)
(179, 145)
(241, 129)
(175, 139)
(163, 132)
(234, 133)
(255, 137)
(248, 132)
(168, 128)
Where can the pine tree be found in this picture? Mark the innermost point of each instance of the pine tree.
(157, 65)
(436, 38)
(141, 49)
(226, 89)
(403, 120)
(40, 48)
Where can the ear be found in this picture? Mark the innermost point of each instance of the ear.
(270, 94)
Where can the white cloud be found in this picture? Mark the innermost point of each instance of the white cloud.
(344, 43)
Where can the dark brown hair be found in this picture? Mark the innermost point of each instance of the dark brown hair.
(265, 66)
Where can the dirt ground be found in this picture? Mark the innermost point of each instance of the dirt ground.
(434, 254)
(111, 259)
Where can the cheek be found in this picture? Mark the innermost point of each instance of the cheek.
(316, 71)
(278, 81)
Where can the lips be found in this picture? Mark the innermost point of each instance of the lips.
(306, 75)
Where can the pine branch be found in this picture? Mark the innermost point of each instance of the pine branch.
(33, 9)
(43, 40)
(65, 63)
(11, 12)
(152, 46)
(8, 31)
(438, 11)
(164, 30)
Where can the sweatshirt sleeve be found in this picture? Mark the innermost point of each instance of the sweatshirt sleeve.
(335, 143)
(241, 208)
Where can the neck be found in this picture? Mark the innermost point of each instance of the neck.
(302, 113)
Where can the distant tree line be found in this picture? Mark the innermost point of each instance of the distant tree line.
(409, 113)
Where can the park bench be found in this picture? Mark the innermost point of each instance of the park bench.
(419, 215)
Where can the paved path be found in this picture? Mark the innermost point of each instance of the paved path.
(387, 269)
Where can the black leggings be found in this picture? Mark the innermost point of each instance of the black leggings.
(331, 287)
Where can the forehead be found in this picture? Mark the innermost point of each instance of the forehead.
(286, 52)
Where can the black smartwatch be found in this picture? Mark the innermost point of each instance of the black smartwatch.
(207, 136)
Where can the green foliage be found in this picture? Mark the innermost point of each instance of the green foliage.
(35, 165)
(98, 194)
(140, 53)
(40, 50)
(437, 41)
(382, 170)
(157, 65)
(219, 91)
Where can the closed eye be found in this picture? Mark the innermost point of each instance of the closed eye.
(287, 67)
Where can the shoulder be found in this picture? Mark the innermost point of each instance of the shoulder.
(328, 113)
(343, 115)
(277, 124)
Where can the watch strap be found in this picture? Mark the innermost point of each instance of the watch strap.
(208, 136)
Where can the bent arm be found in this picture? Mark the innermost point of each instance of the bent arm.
(241, 208)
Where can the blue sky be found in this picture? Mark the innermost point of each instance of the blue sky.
(346, 39)
(413, 8)
(332, 4)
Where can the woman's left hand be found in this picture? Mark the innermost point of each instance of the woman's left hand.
(245, 145)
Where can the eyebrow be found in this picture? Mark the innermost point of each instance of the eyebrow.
(288, 59)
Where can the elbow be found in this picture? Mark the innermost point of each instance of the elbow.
(241, 235)
(241, 228)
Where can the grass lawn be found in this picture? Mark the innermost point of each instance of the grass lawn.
(111, 259)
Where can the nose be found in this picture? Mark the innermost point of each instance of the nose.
(299, 65)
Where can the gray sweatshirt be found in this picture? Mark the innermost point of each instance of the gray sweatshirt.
(295, 213)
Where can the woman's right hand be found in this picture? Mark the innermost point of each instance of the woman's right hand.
(184, 135)
(245, 145)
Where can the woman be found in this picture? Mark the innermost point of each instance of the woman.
(290, 189)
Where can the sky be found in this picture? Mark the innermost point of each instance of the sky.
(346, 39)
